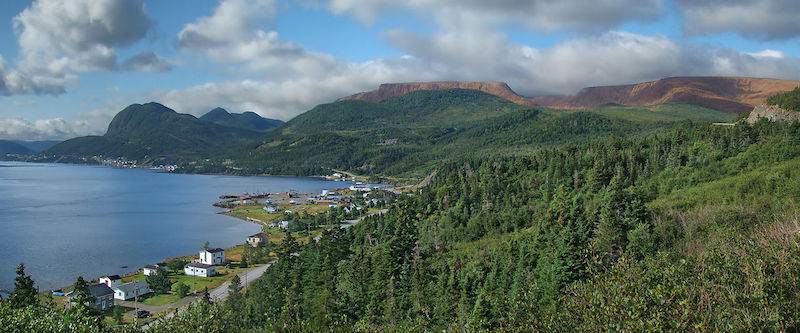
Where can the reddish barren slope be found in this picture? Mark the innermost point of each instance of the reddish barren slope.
(731, 94)
(389, 90)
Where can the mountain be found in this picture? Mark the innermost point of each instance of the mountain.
(389, 90)
(247, 120)
(730, 94)
(11, 147)
(25, 147)
(153, 130)
(415, 132)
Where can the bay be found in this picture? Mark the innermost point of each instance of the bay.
(64, 220)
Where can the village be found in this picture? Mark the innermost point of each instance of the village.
(158, 288)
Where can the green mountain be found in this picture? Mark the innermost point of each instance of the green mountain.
(11, 147)
(37, 146)
(247, 120)
(149, 131)
(411, 134)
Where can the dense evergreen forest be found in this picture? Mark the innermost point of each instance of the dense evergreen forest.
(693, 228)
(413, 134)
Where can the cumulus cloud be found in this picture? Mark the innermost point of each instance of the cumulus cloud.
(758, 19)
(284, 99)
(43, 129)
(146, 62)
(546, 15)
(284, 79)
(232, 21)
(58, 38)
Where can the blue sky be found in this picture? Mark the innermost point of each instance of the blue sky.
(67, 66)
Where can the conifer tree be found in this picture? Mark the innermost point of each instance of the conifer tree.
(25, 293)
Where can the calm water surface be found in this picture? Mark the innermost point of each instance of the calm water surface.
(68, 220)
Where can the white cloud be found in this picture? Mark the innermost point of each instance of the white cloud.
(757, 19)
(58, 38)
(284, 79)
(544, 15)
(284, 99)
(43, 129)
(233, 21)
(146, 62)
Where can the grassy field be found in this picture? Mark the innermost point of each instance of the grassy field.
(660, 112)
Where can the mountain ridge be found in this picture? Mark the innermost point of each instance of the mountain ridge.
(154, 130)
(246, 120)
(730, 94)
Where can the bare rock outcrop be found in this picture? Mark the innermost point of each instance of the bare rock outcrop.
(773, 113)
(730, 94)
(389, 90)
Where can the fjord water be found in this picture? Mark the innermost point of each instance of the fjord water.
(68, 220)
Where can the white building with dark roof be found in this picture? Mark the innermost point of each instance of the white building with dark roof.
(199, 269)
(212, 257)
(131, 289)
(112, 281)
(259, 239)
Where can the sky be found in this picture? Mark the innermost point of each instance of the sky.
(68, 66)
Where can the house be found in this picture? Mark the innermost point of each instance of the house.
(199, 269)
(212, 257)
(152, 269)
(131, 289)
(360, 188)
(103, 296)
(112, 281)
(271, 209)
(258, 239)
(283, 224)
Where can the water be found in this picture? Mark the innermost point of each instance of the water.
(68, 220)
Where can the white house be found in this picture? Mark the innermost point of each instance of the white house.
(112, 281)
(199, 269)
(212, 257)
(151, 269)
(258, 239)
(131, 289)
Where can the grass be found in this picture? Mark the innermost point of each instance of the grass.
(159, 300)
(665, 112)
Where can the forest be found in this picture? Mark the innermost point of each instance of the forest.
(692, 228)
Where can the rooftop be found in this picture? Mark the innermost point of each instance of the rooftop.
(100, 289)
(214, 250)
(131, 287)
(198, 265)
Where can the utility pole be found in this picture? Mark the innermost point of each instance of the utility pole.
(135, 303)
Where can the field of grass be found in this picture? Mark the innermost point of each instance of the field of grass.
(662, 112)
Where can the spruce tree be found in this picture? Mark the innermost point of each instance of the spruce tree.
(25, 293)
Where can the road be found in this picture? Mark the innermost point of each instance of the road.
(349, 223)
(221, 292)
(217, 294)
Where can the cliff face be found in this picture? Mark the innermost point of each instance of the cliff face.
(773, 113)
(731, 94)
(389, 90)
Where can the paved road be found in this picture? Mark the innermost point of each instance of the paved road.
(349, 223)
(217, 294)
(221, 292)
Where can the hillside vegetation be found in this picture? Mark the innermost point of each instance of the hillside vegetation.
(153, 131)
(414, 133)
(247, 120)
(788, 101)
(690, 229)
